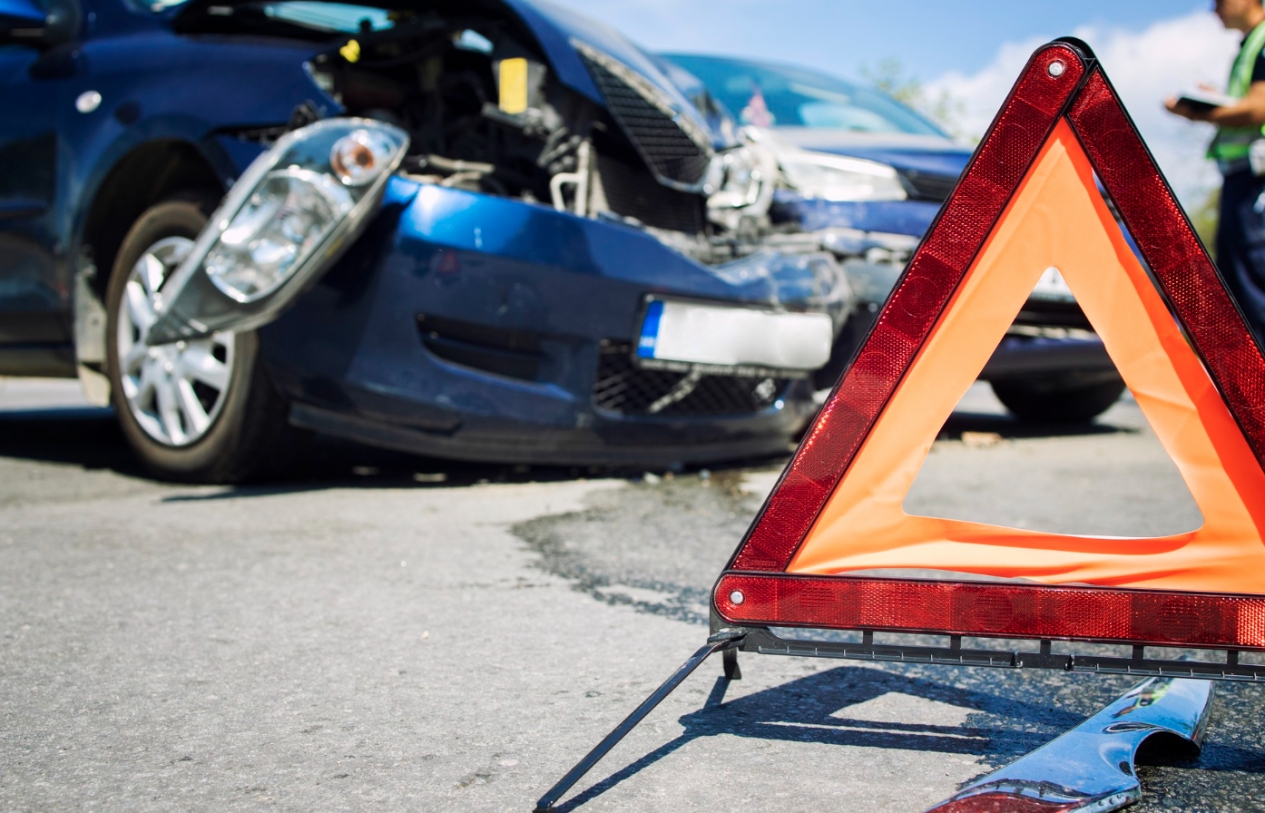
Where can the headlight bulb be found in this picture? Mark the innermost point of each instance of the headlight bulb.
(358, 158)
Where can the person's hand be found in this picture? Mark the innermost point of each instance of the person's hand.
(1179, 108)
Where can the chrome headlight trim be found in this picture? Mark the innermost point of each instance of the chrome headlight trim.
(741, 181)
(840, 178)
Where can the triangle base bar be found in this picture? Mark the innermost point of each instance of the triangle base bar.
(991, 609)
(725, 642)
(765, 641)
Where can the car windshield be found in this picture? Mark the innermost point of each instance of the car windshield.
(156, 6)
(330, 16)
(780, 96)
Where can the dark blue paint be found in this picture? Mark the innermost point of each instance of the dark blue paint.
(21, 12)
(170, 89)
(349, 354)
(351, 347)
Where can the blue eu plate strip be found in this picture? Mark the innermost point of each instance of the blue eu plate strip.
(650, 330)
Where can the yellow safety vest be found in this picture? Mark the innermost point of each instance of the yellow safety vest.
(1232, 143)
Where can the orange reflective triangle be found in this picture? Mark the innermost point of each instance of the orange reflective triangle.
(1056, 219)
(1027, 202)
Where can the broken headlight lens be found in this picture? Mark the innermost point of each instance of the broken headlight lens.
(736, 178)
(290, 213)
(830, 177)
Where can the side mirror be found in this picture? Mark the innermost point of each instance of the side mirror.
(26, 22)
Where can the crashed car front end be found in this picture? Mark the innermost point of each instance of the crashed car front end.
(870, 175)
(442, 336)
(540, 269)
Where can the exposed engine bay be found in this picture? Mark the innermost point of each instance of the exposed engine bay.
(484, 114)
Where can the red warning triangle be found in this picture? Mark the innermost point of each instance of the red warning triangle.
(1029, 202)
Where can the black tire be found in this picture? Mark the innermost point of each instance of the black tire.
(1041, 402)
(249, 436)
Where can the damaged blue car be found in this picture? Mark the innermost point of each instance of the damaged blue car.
(481, 230)
(869, 175)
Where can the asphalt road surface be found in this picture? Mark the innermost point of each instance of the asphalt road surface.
(388, 633)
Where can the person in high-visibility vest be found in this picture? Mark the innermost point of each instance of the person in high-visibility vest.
(1239, 150)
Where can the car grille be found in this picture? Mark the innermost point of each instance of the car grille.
(659, 134)
(928, 186)
(631, 192)
(625, 388)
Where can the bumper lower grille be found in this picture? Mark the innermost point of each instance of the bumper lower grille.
(512, 353)
(625, 388)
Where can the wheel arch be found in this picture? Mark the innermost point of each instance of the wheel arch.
(144, 176)
(147, 174)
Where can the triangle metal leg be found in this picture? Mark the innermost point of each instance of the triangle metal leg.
(723, 641)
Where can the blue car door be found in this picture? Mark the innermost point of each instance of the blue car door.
(34, 276)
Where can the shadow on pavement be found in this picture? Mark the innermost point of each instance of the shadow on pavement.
(89, 437)
(1014, 429)
(1000, 729)
(814, 709)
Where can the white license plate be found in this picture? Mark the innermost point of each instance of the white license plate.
(1053, 286)
(734, 337)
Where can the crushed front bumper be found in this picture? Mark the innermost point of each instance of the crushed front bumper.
(472, 327)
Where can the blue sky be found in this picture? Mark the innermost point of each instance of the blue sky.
(929, 38)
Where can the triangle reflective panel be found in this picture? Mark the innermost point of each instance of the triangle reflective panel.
(1029, 202)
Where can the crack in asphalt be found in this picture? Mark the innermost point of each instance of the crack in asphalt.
(656, 547)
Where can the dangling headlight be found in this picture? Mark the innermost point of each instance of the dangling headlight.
(831, 177)
(289, 217)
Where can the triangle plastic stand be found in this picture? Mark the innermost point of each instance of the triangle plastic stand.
(1028, 201)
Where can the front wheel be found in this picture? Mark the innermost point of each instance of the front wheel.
(1058, 402)
(201, 410)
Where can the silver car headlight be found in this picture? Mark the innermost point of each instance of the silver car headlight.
(740, 181)
(290, 213)
(831, 177)
(294, 211)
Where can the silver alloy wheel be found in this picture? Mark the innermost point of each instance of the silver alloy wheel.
(174, 391)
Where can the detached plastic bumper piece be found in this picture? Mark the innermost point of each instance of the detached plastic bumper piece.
(1091, 766)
